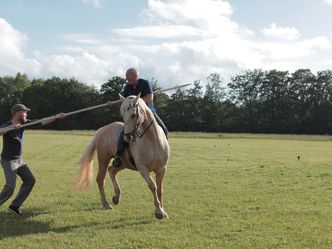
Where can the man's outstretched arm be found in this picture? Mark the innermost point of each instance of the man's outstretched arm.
(3, 129)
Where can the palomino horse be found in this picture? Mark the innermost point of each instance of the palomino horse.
(148, 146)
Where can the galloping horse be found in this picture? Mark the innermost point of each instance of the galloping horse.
(148, 151)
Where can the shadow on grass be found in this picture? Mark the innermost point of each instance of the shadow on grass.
(12, 226)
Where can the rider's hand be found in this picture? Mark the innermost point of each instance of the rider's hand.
(17, 126)
(61, 115)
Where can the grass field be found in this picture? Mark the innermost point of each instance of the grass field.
(221, 191)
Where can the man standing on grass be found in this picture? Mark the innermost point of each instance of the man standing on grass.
(11, 159)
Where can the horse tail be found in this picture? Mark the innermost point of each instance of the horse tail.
(85, 174)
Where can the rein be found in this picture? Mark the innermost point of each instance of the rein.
(147, 128)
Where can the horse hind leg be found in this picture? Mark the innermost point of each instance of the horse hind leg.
(101, 183)
(117, 190)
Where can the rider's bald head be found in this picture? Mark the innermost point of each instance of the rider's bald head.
(133, 71)
(132, 76)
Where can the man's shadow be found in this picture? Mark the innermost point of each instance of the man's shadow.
(12, 226)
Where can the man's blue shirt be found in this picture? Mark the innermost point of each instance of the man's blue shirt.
(12, 143)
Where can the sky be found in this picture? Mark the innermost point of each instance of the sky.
(173, 41)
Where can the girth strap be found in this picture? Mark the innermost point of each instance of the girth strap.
(131, 158)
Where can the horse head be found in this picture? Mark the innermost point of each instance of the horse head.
(133, 113)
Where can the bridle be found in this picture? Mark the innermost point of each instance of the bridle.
(134, 134)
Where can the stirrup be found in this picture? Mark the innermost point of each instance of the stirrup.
(117, 162)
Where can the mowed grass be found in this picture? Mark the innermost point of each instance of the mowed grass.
(220, 191)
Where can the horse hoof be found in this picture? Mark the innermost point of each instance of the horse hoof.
(108, 207)
(116, 200)
(161, 215)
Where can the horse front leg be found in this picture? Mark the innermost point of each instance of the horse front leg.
(117, 190)
(159, 212)
(159, 180)
(101, 182)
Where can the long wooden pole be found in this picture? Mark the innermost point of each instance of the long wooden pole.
(57, 116)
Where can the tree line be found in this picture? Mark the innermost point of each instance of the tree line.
(253, 101)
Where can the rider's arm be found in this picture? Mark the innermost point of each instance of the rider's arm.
(147, 93)
(148, 98)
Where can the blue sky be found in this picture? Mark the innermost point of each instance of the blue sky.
(175, 41)
(46, 22)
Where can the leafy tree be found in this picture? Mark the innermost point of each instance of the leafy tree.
(11, 89)
(62, 95)
(110, 91)
(244, 92)
(212, 107)
(254, 101)
(274, 101)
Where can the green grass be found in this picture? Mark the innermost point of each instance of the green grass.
(221, 191)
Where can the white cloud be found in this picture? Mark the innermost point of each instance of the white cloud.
(12, 40)
(13, 59)
(293, 50)
(278, 32)
(73, 61)
(87, 67)
(201, 13)
(161, 32)
(177, 42)
(328, 1)
(84, 39)
(95, 3)
(200, 37)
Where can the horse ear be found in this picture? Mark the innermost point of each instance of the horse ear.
(137, 98)
(121, 97)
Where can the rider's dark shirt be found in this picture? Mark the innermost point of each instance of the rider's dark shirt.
(143, 87)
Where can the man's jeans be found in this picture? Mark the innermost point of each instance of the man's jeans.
(10, 175)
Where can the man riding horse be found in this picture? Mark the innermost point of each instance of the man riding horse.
(149, 150)
(136, 86)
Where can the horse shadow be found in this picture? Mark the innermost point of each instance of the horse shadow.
(13, 226)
